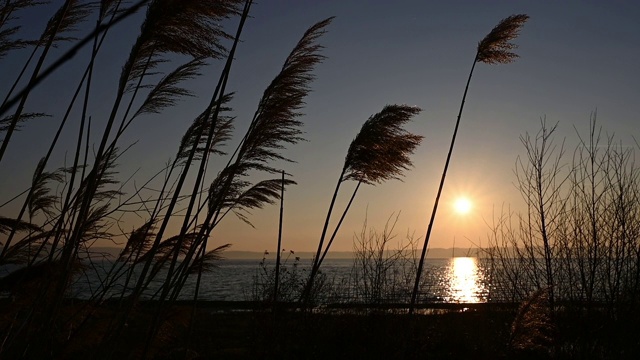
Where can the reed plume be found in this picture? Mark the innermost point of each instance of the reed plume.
(92, 224)
(65, 20)
(533, 330)
(188, 27)
(169, 246)
(186, 160)
(208, 261)
(496, 47)
(95, 226)
(102, 28)
(7, 224)
(243, 197)
(107, 7)
(103, 192)
(167, 92)
(27, 249)
(41, 199)
(274, 124)
(5, 123)
(379, 152)
(8, 10)
(200, 130)
(139, 241)
(493, 49)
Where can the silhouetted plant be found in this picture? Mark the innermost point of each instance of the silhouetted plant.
(588, 251)
(291, 278)
(85, 212)
(379, 152)
(382, 271)
(540, 182)
(65, 20)
(279, 246)
(107, 7)
(9, 13)
(274, 124)
(495, 48)
(533, 329)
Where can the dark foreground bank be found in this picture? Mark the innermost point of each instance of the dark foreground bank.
(248, 330)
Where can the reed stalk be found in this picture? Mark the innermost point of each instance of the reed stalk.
(495, 48)
(68, 55)
(277, 279)
(379, 152)
(86, 76)
(274, 122)
(71, 13)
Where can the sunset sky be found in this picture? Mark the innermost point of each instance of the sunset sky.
(575, 57)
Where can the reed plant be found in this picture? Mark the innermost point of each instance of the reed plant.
(65, 20)
(495, 48)
(379, 152)
(63, 223)
(274, 123)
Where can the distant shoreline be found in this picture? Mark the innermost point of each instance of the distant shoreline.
(436, 253)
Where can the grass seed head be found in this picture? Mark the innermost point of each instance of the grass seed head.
(496, 47)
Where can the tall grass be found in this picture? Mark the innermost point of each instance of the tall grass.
(495, 48)
(66, 210)
(575, 247)
(379, 152)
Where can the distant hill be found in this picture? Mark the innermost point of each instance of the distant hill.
(436, 253)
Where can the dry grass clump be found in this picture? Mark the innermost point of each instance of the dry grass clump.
(533, 329)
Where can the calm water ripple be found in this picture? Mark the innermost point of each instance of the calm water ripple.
(459, 280)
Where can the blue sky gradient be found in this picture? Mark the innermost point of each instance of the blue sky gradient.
(575, 57)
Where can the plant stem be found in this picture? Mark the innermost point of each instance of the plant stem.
(316, 259)
(69, 55)
(335, 231)
(275, 286)
(416, 285)
(24, 95)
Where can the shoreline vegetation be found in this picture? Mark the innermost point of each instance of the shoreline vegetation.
(566, 269)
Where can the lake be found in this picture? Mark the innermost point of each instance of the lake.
(453, 280)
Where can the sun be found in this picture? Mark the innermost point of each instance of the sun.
(462, 205)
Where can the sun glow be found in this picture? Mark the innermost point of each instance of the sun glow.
(462, 205)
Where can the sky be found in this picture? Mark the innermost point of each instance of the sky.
(576, 57)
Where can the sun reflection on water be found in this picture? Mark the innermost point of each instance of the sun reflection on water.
(465, 281)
